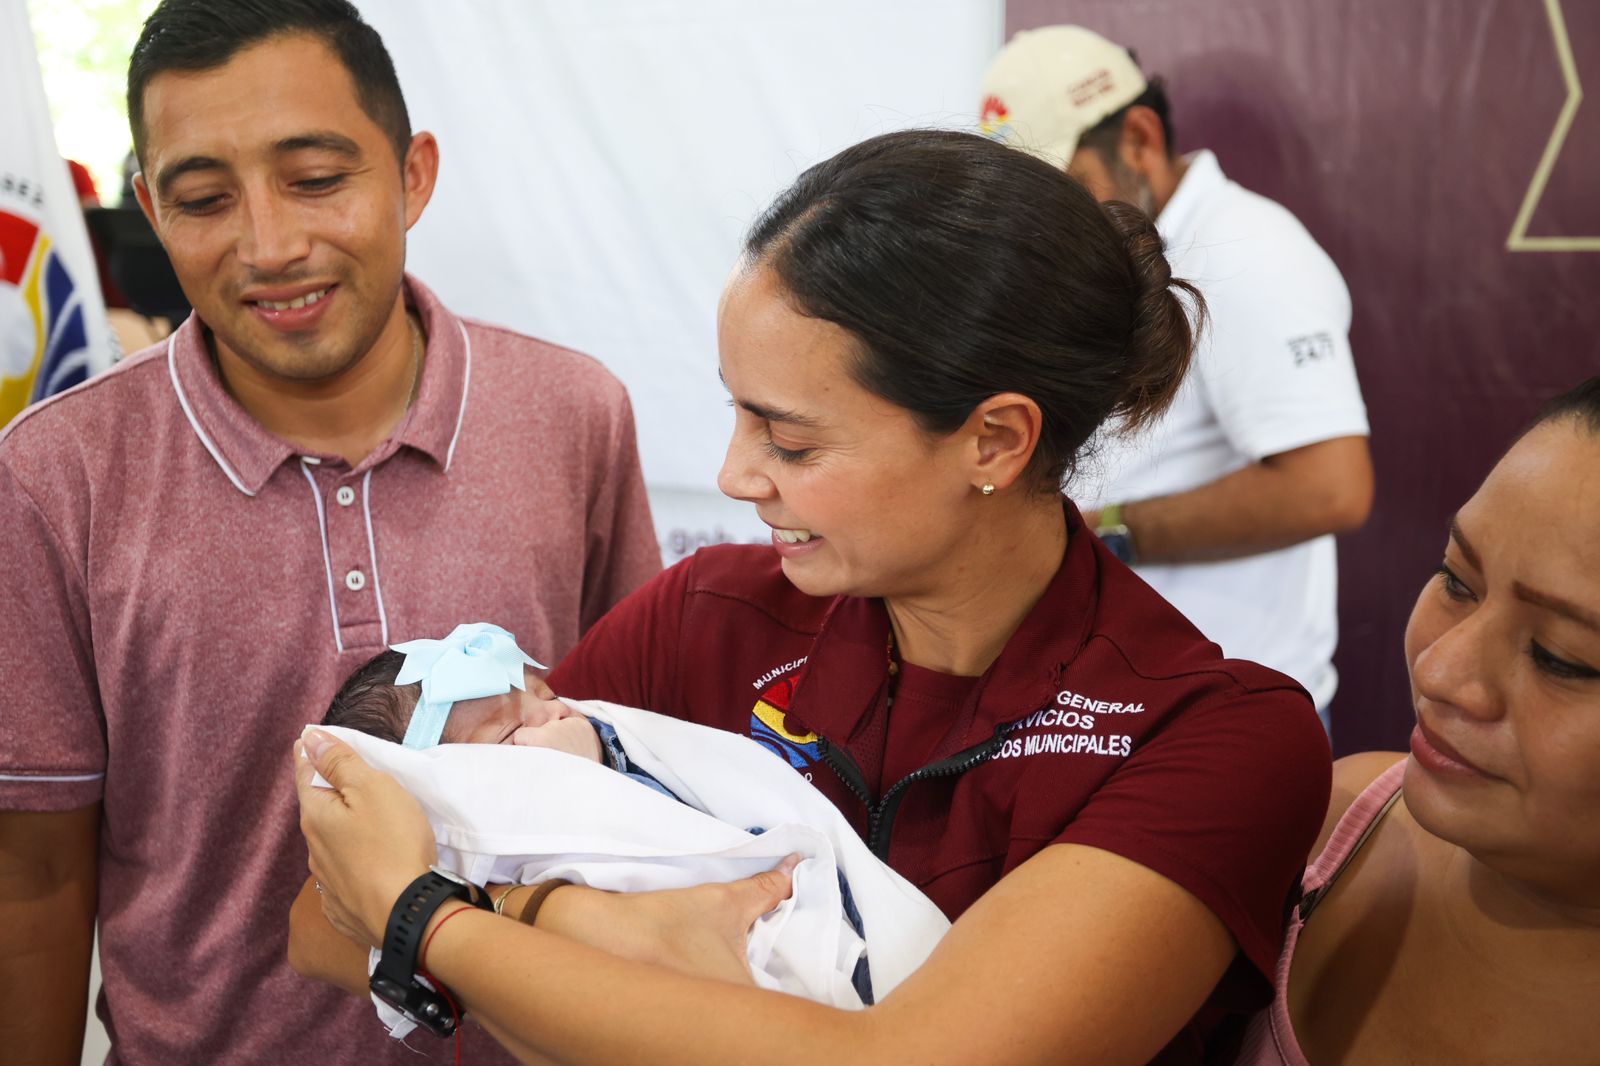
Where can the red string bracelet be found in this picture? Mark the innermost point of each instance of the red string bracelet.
(422, 956)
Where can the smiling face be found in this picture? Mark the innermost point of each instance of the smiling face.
(1504, 652)
(531, 718)
(862, 501)
(282, 206)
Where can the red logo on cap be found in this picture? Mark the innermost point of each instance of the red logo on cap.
(994, 115)
(1097, 84)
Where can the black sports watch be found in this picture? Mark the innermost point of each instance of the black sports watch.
(395, 979)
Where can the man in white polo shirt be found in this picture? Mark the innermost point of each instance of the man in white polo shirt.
(1228, 505)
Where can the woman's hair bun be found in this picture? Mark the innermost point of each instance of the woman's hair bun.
(1162, 340)
(964, 268)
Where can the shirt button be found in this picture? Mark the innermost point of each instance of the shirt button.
(355, 581)
(346, 495)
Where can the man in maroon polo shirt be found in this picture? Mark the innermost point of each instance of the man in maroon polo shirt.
(204, 541)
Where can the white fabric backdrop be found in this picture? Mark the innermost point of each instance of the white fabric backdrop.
(602, 159)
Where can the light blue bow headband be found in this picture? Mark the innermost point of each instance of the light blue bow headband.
(476, 659)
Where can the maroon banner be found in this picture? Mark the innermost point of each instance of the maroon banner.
(1438, 151)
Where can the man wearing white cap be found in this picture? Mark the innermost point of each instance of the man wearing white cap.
(1229, 504)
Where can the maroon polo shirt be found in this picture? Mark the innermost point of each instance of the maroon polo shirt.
(184, 591)
(1108, 720)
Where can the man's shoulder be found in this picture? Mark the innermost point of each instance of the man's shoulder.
(1238, 228)
(535, 384)
(1259, 268)
(87, 412)
(524, 353)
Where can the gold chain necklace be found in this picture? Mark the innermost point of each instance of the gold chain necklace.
(417, 348)
(894, 671)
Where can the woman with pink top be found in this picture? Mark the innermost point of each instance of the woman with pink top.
(1453, 914)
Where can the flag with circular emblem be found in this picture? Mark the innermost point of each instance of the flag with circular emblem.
(53, 331)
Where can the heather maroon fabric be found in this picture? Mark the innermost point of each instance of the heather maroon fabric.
(174, 615)
(1124, 728)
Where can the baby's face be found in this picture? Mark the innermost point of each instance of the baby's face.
(530, 719)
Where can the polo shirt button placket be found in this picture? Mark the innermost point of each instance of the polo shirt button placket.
(352, 568)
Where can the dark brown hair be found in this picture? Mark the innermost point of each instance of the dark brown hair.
(197, 35)
(965, 269)
(1105, 135)
(1580, 403)
(370, 702)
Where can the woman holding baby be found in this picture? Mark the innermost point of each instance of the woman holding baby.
(922, 335)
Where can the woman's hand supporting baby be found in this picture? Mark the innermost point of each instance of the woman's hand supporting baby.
(368, 839)
(700, 931)
(367, 836)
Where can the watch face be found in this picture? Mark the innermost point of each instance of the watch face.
(423, 1005)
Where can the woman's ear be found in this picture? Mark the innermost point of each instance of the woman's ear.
(1005, 432)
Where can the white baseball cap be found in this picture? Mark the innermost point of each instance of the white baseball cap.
(1049, 86)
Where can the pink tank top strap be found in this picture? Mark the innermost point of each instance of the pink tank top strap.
(1270, 1039)
(1357, 824)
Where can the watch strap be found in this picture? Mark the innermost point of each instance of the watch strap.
(1115, 534)
(394, 979)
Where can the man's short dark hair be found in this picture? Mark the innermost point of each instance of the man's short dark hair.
(1581, 403)
(370, 702)
(200, 35)
(1105, 134)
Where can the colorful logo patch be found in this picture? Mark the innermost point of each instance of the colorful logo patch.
(43, 344)
(994, 119)
(768, 726)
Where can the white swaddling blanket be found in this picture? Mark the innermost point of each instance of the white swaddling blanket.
(521, 815)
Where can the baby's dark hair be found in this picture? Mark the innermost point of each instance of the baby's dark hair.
(370, 702)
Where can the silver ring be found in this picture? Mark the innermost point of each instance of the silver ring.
(317, 885)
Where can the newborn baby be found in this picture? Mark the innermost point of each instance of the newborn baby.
(525, 712)
(487, 750)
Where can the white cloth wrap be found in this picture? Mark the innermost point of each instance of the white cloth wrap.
(521, 815)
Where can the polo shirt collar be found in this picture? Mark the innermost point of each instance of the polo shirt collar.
(1199, 182)
(847, 670)
(433, 425)
(249, 455)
